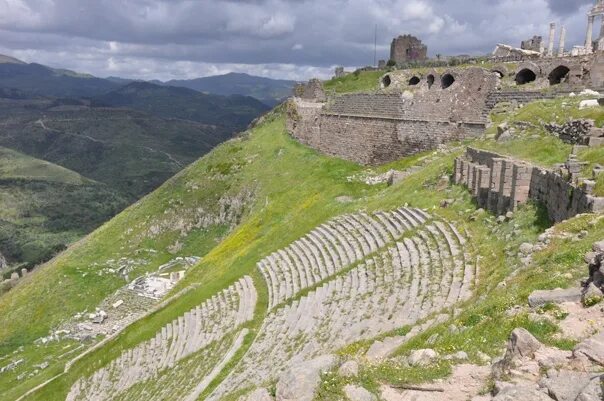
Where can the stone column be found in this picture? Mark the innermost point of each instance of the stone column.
(590, 27)
(552, 37)
(562, 42)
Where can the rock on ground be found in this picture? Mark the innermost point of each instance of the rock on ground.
(581, 322)
(349, 369)
(542, 297)
(521, 393)
(356, 393)
(592, 348)
(422, 357)
(521, 344)
(566, 385)
(300, 382)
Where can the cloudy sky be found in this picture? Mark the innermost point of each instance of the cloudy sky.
(295, 39)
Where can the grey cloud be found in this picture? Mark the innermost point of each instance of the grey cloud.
(285, 38)
(567, 7)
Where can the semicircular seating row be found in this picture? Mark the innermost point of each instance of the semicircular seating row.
(206, 324)
(331, 247)
(417, 275)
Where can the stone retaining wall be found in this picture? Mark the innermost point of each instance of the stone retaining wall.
(501, 184)
(375, 128)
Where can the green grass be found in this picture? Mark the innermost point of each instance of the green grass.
(363, 81)
(294, 189)
(538, 146)
(15, 165)
(45, 207)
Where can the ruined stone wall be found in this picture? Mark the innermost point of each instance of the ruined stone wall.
(303, 121)
(534, 44)
(372, 140)
(407, 48)
(501, 184)
(375, 128)
(360, 139)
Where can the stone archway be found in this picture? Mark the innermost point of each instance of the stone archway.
(447, 80)
(525, 76)
(386, 81)
(558, 75)
(414, 81)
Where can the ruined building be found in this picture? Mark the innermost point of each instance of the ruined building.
(373, 128)
(407, 48)
(534, 44)
(417, 110)
(596, 11)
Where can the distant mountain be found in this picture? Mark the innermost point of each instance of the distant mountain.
(121, 81)
(268, 91)
(130, 151)
(39, 80)
(76, 149)
(9, 60)
(171, 102)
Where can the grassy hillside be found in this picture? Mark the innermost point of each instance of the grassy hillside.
(130, 151)
(257, 194)
(18, 166)
(45, 207)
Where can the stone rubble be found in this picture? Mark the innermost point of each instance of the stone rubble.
(576, 131)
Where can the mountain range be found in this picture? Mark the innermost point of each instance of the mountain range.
(268, 91)
(124, 138)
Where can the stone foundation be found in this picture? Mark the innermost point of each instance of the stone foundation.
(500, 184)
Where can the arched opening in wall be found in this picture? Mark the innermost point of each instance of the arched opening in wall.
(447, 80)
(558, 75)
(500, 74)
(414, 81)
(386, 81)
(430, 80)
(525, 76)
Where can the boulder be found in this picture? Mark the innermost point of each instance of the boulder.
(349, 369)
(588, 103)
(260, 394)
(422, 357)
(592, 348)
(300, 382)
(557, 296)
(566, 385)
(590, 257)
(598, 247)
(593, 391)
(521, 393)
(356, 393)
(521, 344)
(592, 295)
